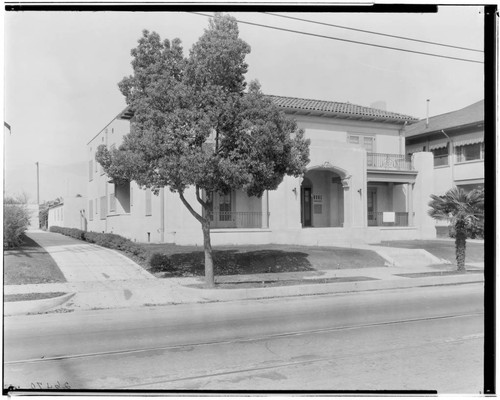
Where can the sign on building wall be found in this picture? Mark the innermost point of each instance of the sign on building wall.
(318, 203)
(388, 217)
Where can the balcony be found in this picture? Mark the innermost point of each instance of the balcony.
(377, 219)
(393, 162)
(239, 219)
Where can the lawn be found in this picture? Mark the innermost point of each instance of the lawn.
(241, 260)
(30, 264)
(442, 248)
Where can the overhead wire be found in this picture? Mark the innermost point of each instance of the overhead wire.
(374, 33)
(345, 40)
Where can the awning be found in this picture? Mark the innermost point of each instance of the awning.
(471, 138)
(436, 145)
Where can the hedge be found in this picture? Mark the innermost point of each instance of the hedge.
(117, 242)
(16, 219)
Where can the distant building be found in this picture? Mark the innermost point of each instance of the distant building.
(70, 213)
(456, 140)
(359, 187)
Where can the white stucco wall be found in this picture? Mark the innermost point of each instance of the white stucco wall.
(329, 153)
(422, 190)
(470, 170)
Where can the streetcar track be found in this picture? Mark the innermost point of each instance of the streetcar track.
(301, 362)
(236, 340)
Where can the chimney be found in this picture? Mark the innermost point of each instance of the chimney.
(379, 105)
(427, 118)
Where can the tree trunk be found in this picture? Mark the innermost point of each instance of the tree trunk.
(460, 240)
(205, 227)
(209, 263)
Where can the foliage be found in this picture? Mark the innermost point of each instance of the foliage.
(16, 219)
(194, 126)
(160, 262)
(109, 240)
(464, 211)
(43, 214)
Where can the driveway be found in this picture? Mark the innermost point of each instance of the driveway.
(84, 262)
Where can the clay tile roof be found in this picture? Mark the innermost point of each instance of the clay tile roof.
(340, 110)
(455, 119)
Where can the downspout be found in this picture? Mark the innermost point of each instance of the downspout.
(451, 156)
(162, 215)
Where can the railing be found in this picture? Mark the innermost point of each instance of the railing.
(399, 162)
(239, 219)
(377, 219)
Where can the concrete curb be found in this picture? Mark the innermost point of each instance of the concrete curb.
(35, 306)
(334, 288)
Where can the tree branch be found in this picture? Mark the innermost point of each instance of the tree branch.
(191, 210)
(198, 197)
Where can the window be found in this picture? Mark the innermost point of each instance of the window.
(440, 156)
(95, 159)
(148, 202)
(225, 207)
(91, 210)
(112, 202)
(367, 142)
(91, 174)
(96, 209)
(470, 152)
(103, 204)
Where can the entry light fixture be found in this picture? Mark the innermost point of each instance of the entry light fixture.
(359, 191)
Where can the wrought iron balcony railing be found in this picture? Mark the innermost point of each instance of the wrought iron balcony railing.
(239, 219)
(384, 161)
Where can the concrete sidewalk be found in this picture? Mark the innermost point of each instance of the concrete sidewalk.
(101, 278)
(82, 262)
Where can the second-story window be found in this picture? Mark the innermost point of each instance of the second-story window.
(367, 142)
(470, 152)
(440, 156)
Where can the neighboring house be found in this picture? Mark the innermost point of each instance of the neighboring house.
(70, 213)
(456, 140)
(359, 187)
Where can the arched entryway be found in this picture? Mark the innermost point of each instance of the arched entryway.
(322, 197)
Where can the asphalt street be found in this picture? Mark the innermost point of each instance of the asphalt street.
(412, 339)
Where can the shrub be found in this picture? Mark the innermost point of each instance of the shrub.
(160, 261)
(15, 223)
(109, 240)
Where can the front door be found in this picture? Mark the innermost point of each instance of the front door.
(372, 207)
(306, 207)
(221, 210)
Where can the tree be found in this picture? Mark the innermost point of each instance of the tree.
(16, 219)
(43, 214)
(464, 211)
(194, 124)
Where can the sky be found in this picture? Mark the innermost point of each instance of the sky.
(61, 72)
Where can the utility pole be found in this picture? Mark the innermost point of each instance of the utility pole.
(37, 184)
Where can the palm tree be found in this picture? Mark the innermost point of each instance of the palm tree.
(463, 210)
